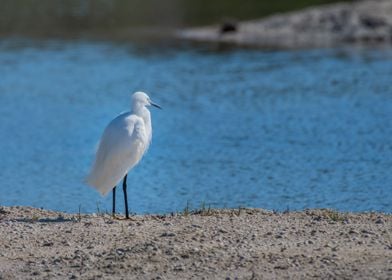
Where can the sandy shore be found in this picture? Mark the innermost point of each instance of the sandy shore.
(367, 22)
(214, 244)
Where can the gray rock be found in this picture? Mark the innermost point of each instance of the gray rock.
(358, 22)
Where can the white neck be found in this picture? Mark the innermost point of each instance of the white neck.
(144, 113)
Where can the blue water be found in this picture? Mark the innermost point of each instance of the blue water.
(276, 130)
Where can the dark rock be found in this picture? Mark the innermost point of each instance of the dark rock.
(281, 266)
(372, 22)
(228, 26)
(168, 234)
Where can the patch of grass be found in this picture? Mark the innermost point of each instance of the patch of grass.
(334, 215)
(238, 211)
(35, 218)
(79, 213)
(204, 210)
(98, 210)
(187, 210)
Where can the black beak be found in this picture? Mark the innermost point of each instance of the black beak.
(155, 105)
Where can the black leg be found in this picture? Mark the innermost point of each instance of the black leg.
(125, 196)
(114, 201)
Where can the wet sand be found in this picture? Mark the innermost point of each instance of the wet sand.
(208, 244)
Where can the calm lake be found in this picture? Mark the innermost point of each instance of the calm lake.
(271, 129)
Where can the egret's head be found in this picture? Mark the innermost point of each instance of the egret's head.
(140, 98)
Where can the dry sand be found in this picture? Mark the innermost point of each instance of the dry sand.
(215, 244)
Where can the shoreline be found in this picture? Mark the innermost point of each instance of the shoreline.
(357, 23)
(214, 244)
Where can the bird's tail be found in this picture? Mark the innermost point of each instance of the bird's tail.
(98, 184)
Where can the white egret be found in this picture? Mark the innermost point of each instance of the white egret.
(122, 145)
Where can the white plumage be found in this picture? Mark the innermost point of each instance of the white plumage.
(122, 145)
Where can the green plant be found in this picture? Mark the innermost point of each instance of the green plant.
(187, 211)
(79, 213)
(334, 216)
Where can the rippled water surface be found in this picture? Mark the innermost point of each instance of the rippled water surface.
(276, 130)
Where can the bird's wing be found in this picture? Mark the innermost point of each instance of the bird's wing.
(120, 148)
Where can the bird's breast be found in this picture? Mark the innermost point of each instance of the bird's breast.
(140, 132)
